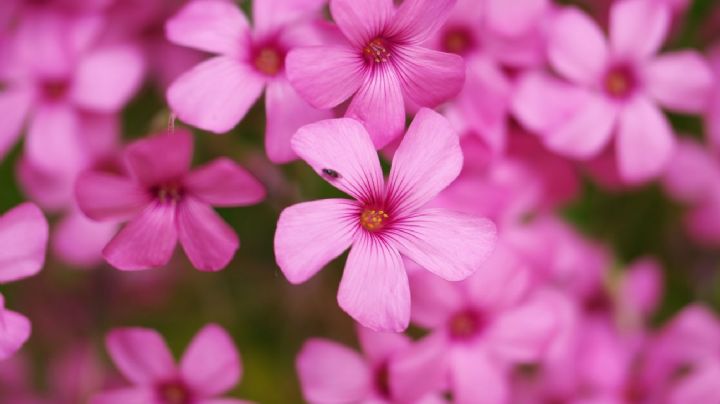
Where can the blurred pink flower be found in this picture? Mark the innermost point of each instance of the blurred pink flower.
(209, 367)
(712, 117)
(23, 237)
(700, 192)
(57, 74)
(495, 318)
(614, 88)
(332, 373)
(216, 94)
(381, 64)
(384, 221)
(167, 202)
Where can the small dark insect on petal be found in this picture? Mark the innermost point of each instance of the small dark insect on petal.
(331, 173)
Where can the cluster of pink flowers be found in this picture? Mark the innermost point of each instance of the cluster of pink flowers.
(490, 116)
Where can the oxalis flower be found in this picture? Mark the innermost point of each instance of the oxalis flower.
(385, 221)
(209, 367)
(382, 63)
(168, 203)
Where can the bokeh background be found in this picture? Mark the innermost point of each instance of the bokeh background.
(72, 308)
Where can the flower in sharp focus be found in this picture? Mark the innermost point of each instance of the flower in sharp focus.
(381, 65)
(385, 221)
(168, 203)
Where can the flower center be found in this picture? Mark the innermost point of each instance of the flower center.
(268, 60)
(373, 219)
(168, 193)
(382, 380)
(598, 303)
(466, 325)
(458, 40)
(377, 51)
(620, 81)
(55, 89)
(173, 393)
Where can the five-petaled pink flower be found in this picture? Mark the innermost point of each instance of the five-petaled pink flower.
(614, 88)
(385, 221)
(216, 94)
(168, 202)
(23, 237)
(382, 63)
(209, 367)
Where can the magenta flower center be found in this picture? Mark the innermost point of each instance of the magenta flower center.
(377, 51)
(168, 193)
(373, 219)
(598, 303)
(466, 325)
(55, 90)
(268, 60)
(173, 393)
(382, 380)
(458, 40)
(620, 81)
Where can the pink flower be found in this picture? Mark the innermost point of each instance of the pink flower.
(495, 318)
(209, 367)
(384, 222)
(381, 64)
(332, 373)
(712, 116)
(216, 94)
(57, 76)
(23, 235)
(700, 192)
(614, 88)
(168, 203)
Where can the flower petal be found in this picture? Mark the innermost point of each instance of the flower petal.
(14, 331)
(698, 387)
(542, 102)
(428, 160)
(680, 81)
(429, 77)
(286, 113)
(586, 133)
(325, 76)
(512, 18)
(434, 299)
(633, 40)
(341, 152)
(106, 79)
(271, 15)
(475, 379)
(425, 360)
(148, 241)
(141, 355)
(522, 334)
(103, 196)
(160, 158)
(417, 20)
(14, 107)
(23, 237)
(216, 94)
(577, 47)
(124, 396)
(451, 245)
(311, 234)
(52, 142)
(374, 288)
(79, 241)
(322, 379)
(211, 364)
(361, 21)
(224, 183)
(379, 105)
(645, 141)
(208, 241)
(214, 26)
(380, 346)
